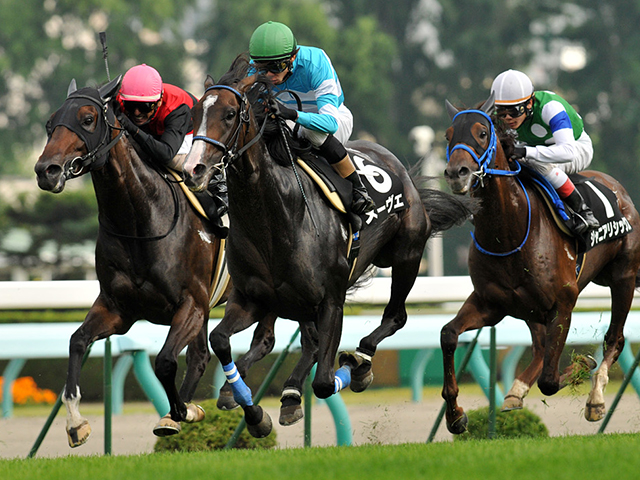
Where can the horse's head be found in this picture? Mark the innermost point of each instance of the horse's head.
(472, 146)
(220, 119)
(83, 137)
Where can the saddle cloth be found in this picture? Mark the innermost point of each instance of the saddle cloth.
(603, 203)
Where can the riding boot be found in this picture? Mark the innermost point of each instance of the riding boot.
(211, 209)
(585, 220)
(217, 188)
(362, 202)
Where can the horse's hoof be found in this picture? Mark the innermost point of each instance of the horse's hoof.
(290, 415)
(166, 427)
(594, 412)
(511, 402)
(79, 435)
(226, 401)
(459, 425)
(262, 428)
(359, 383)
(195, 413)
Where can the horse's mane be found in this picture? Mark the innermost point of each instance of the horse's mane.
(259, 95)
(506, 136)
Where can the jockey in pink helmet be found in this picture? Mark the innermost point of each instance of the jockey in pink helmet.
(158, 117)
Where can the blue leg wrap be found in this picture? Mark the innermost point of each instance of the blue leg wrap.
(241, 393)
(343, 378)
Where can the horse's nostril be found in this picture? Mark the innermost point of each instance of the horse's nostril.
(463, 172)
(199, 169)
(53, 170)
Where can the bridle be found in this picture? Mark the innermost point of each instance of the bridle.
(230, 149)
(486, 162)
(97, 156)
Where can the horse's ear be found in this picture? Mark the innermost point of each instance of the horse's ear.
(247, 82)
(108, 91)
(209, 82)
(451, 110)
(487, 107)
(72, 87)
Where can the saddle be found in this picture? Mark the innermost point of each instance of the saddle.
(603, 203)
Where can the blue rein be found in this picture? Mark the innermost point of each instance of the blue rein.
(484, 162)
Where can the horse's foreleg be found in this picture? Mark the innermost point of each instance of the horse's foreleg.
(621, 298)
(329, 333)
(514, 399)
(556, 338)
(239, 316)
(198, 357)
(99, 323)
(470, 317)
(262, 344)
(291, 410)
(186, 325)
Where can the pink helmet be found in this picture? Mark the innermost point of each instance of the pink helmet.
(141, 83)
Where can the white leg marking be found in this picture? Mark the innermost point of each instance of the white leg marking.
(519, 389)
(74, 419)
(599, 381)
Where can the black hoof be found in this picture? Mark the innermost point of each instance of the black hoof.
(290, 415)
(226, 401)
(361, 373)
(459, 425)
(262, 428)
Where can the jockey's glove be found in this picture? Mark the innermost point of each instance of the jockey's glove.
(519, 152)
(127, 124)
(280, 110)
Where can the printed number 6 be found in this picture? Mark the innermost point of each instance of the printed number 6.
(377, 177)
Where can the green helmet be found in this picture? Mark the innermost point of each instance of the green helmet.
(272, 41)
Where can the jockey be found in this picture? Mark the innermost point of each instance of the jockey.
(158, 117)
(326, 123)
(551, 137)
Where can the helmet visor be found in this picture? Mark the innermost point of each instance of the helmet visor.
(143, 107)
(514, 111)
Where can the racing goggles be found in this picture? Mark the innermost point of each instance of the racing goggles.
(143, 107)
(276, 66)
(513, 111)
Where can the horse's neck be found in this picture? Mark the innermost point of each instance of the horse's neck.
(127, 193)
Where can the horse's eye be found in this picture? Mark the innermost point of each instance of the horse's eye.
(230, 115)
(87, 121)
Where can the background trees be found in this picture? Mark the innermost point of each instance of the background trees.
(398, 61)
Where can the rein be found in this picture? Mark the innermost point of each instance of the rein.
(486, 162)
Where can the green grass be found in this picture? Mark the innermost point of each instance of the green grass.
(603, 457)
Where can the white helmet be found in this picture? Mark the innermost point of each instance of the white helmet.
(512, 88)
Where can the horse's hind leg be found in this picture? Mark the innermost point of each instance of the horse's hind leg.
(393, 319)
(99, 323)
(514, 399)
(621, 298)
(291, 410)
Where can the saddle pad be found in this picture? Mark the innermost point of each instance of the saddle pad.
(604, 204)
(384, 187)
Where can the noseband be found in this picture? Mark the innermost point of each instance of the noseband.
(486, 162)
(97, 156)
(230, 150)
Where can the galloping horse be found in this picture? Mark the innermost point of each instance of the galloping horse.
(288, 249)
(522, 265)
(155, 256)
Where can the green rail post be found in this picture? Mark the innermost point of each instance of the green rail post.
(492, 383)
(625, 382)
(459, 370)
(52, 415)
(263, 388)
(308, 403)
(107, 396)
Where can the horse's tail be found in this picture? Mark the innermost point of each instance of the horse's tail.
(446, 210)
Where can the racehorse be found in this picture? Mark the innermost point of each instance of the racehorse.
(523, 265)
(288, 249)
(155, 256)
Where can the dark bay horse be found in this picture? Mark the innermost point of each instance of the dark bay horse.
(522, 265)
(288, 250)
(155, 256)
